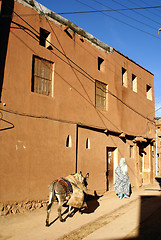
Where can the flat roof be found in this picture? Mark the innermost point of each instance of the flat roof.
(42, 10)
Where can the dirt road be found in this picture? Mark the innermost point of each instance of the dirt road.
(106, 218)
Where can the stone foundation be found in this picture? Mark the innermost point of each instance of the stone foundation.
(21, 207)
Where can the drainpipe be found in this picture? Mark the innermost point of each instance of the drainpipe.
(156, 154)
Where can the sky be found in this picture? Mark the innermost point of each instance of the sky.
(133, 32)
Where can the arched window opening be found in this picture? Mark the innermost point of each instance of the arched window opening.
(88, 143)
(69, 141)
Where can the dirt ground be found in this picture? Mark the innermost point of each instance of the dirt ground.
(107, 217)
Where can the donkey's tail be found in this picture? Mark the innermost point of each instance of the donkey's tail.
(52, 195)
(51, 200)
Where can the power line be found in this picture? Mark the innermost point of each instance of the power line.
(118, 20)
(151, 6)
(157, 109)
(130, 17)
(73, 68)
(147, 10)
(100, 88)
(133, 10)
(109, 10)
(93, 80)
(89, 76)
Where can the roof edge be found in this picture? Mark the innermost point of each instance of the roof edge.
(133, 61)
(42, 10)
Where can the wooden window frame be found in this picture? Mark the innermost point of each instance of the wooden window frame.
(101, 95)
(42, 76)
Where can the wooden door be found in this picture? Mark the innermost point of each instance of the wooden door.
(110, 168)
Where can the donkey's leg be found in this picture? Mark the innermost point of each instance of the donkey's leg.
(60, 203)
(70, 211)
(51, 198)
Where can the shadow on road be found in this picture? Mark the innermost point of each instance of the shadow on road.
(150, 219)
(92, 205)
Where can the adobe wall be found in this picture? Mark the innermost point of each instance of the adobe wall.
(33, 136)
(74, 83)
(33, 154)
(95, 158)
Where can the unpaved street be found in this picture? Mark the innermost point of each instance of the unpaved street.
(107, 218)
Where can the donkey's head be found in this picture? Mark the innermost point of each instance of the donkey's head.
(81, 179)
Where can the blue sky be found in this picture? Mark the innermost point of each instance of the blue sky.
(132, 32)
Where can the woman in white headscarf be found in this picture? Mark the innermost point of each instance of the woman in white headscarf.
(122, 184)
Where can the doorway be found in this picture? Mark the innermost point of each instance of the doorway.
(110, 160)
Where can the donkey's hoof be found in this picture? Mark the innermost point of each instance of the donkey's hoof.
(62, 220)
(71, 214)
(47, 224)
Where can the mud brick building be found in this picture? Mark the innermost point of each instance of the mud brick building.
(68, 102)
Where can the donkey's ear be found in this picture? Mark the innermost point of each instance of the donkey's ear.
(87, 176)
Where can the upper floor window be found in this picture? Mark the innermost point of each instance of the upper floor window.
(45, 38)
(134, 83)
(101, 95)
(124, 77)
(88, 145)
(42, 76)
(69, 141)
(100, 63)
(149, 92)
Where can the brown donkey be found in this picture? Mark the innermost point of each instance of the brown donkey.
(71, 189)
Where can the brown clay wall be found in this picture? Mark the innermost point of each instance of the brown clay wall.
(95, 158)
(34, 151)
(33, 154)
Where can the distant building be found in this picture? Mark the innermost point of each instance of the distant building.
(69, 102)
(158, 147)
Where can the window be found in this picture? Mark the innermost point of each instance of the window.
(66, 30)
(88, 143)
(149, 92)
(100, 63)
(124, 77)
(101, 95)
(42, 71)
(45, 38)
(69, 141)
(134, 83)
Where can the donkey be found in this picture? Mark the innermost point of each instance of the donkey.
(71, 189)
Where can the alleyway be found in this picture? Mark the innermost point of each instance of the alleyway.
(107, 218)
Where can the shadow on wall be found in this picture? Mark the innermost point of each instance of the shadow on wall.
(5, 22)
(7, 124)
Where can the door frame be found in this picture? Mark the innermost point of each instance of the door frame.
(115, 164)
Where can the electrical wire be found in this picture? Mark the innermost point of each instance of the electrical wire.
(120, 21)
(146, 9)
(132, 10)
(83, 70)
(108, 10)
(151, 6)
(93, 80)
(130, 17)
(63, 51)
